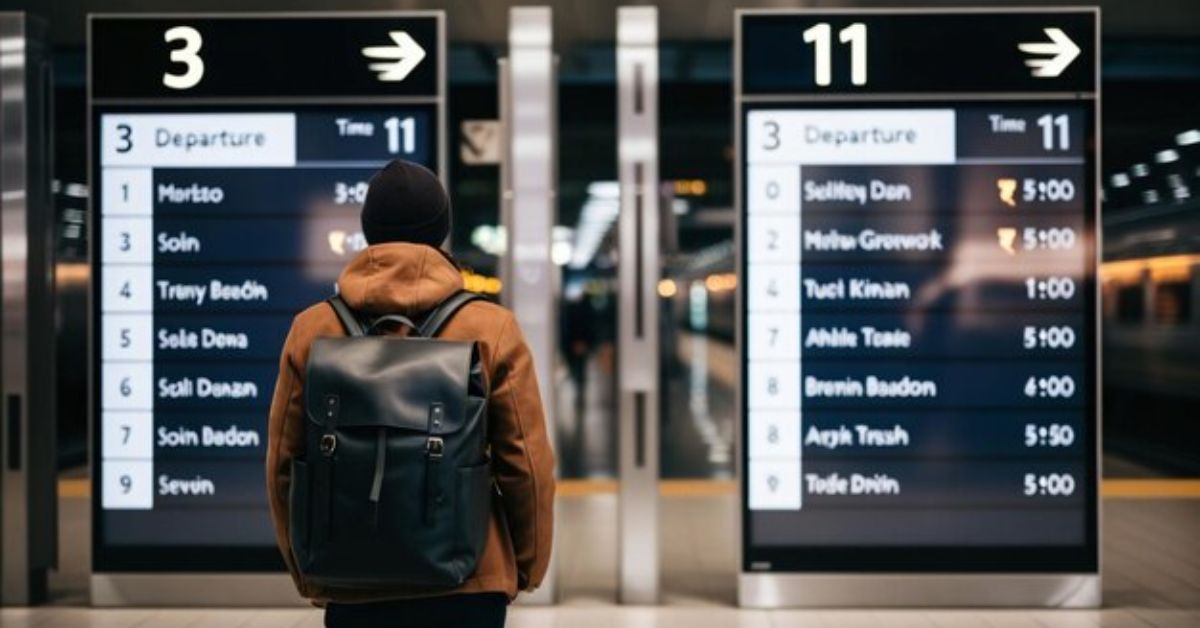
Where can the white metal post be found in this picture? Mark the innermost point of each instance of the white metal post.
(529, 100)
(637, 330)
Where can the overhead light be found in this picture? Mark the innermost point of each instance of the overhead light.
(604, 189)
(1140, 170)
(1179, 188)
(75, 190)
(1189, 137)
(573, 290)
(595, 220)
(698, 305)
(720, 282)
(490, 239)
(690, 187)
(1120, 180)
(1166, 156)
(561, 252)
(667, 288)
(1150, 197)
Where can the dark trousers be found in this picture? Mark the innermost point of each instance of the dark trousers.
(474, 610)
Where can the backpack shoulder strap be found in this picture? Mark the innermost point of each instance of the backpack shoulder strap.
(353, 326)
(444, 312)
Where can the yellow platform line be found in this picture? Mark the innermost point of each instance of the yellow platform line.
(696, 488)
(583, 488)
(1110, 489)
(75, 487)
(1151, 489)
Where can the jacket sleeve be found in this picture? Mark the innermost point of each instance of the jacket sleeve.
(285, 441)
(523, 460)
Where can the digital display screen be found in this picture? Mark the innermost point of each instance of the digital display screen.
(918, 316)
(215, 223)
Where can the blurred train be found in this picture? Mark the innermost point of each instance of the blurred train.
(1150, 292)
(1150, 296)
(701, 291)
(1150, 289)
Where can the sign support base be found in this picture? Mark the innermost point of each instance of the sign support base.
(195, 589)
(889, 590)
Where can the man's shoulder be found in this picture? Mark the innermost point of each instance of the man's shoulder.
(317, 313)
(488, 307)
(320, 318)
(317, 319)
(480, 319)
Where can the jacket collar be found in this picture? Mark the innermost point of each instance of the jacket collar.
(398, 278)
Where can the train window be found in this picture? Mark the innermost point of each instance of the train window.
(1172, 302)
(1130, 306)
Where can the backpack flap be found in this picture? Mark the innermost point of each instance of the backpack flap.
(382, 381)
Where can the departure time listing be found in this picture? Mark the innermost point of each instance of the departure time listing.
(215, 229)
(915, 307)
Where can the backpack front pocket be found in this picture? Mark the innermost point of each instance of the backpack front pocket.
(298, 511)
(473, 495)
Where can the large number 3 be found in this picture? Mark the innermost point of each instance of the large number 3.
(186, 55)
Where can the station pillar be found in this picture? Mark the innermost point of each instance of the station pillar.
(28, 499)
(637, 326)
(528, 104)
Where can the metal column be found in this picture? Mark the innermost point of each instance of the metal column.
(28, 496)
(528, 171)
(637, 329)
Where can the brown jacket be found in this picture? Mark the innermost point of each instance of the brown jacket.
(410, 279)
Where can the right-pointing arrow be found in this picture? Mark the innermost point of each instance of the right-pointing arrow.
(400, 58)
(1061, 49)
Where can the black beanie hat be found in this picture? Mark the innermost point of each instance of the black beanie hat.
(406, 203)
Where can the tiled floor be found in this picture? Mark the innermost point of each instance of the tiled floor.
(1151, 571)
(617, 617)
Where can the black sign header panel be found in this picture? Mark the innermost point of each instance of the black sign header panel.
(965, 52)
(300, 56)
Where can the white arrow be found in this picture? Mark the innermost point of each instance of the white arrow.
(402, 57)
(1062, 50)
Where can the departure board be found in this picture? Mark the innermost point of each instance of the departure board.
(918, 333)
(227, 180)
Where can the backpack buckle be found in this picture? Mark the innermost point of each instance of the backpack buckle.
(435, 447)
(328, 444)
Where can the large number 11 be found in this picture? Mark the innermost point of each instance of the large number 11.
(394, 127)
(820, 35)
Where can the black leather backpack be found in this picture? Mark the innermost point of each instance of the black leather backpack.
(395, 484)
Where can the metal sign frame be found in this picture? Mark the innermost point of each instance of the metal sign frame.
(852, 588)
(174, 587)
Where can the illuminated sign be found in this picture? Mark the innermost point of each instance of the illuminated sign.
(230, 160)
(918, 312)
